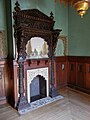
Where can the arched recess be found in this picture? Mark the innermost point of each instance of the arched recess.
(27, 24)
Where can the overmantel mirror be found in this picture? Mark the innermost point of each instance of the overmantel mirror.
(36, 48)
(35, 38)
(62, 46)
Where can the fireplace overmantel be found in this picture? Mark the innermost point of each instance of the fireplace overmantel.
(28, 24)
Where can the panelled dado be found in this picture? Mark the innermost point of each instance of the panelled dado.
(73, 71)
(61, 71)
(79, 72)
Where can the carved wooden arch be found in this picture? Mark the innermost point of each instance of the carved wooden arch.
(27, 24)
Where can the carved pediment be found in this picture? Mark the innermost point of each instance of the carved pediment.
(36, 14)
(33, 18)
(33, 23)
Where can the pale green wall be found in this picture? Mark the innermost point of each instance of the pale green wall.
(79, 33)
(61, 17)
(2, 15)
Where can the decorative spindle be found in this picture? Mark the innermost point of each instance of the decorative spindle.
(17, 7)
(51, 15)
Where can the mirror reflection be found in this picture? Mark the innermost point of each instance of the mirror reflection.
(59, 48)
(36, 47)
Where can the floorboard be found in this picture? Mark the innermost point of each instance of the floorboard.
(74, 106)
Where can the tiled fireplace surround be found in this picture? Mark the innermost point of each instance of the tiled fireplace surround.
(31, 74)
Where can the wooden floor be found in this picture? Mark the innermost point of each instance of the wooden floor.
(74, 106)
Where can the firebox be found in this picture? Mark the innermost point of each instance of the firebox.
(37, 88)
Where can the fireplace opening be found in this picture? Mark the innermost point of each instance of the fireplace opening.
(38, 88)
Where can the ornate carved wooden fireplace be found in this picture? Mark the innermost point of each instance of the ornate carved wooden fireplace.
(28, 24)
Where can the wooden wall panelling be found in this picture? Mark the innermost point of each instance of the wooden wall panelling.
(81, 73)
(63, 74)
(60, 72)
(72, 68)
(27, 65)
(79, 78)
(10, 83)
(57, 75)
(15, 74)
(87, 76)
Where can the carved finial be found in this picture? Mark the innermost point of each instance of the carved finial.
(17, 6)
(51, 15)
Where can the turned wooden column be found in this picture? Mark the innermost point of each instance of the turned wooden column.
(22, 101)
(54, 38)
(53, 91)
